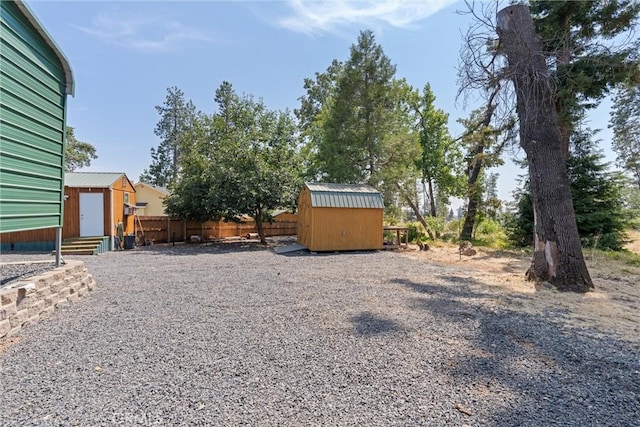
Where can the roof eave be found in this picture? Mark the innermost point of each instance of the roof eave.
(68, 73)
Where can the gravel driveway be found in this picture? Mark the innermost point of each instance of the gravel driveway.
(231, 335)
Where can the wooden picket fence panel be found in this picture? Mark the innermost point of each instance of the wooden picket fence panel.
(162, 229)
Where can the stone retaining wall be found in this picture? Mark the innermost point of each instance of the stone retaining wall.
(36, 298)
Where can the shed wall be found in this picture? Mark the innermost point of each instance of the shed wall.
(32, 124)
(304, 218)
(338, 229)
(121, 187)
(346, 229)
(72, 211)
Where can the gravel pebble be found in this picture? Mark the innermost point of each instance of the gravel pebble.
(238, 335)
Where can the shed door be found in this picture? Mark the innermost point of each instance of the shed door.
(91, 214)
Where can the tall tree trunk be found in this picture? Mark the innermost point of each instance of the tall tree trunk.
(432, 200)
(259, 227)
(470, 215)
(557, 252)
(416, 210)
(473, 172)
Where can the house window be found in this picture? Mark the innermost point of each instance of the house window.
(126, 199)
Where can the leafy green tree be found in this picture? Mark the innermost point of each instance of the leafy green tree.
(484, 145)
(78, 154)
(625, 122)
(243, 160)
(519, 223)
(440, 155)
(589, 52)
(491, 203)
(176, 117)
(314, 107)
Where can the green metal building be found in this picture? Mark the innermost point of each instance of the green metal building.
(35, 79)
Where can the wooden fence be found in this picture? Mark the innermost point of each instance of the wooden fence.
(162, 229)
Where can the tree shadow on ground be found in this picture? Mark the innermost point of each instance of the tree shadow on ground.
(191, 249)
(568, 376)
(369, 324)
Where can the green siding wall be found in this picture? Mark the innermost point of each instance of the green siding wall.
(32, 125)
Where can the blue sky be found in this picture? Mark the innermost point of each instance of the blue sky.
(125, 54)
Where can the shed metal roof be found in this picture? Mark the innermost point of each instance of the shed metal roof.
(344, 196)
(91, 179)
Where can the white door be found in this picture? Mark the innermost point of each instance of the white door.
(91, 214)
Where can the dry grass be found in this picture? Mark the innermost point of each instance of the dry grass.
(634, 241)
(612, 308)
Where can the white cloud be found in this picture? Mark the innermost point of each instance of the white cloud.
(312, 17)
(148, 33)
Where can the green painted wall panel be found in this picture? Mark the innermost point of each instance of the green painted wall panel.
(17, 110)
(14, 19)
(12, 55)
(26, 223)
(14, 179)
(11, 87)
(32, 124)
(24, 133)
(24, 166)
(10, 194)
(27, 246)
(16, 209)
(29, 43)
(14, 149)
(12, 70)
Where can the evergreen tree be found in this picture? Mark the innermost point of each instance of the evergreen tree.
(176, 117)
(597, 198)
(589, 52)
(625, 122)
(596, 193)
(78, 154)
(359, 116)
(358, 126)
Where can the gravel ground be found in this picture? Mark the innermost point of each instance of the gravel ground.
(231, 335)
(20, 271)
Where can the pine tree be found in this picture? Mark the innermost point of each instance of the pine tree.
(589, 52)
(359, 116)
(78, 154)
(596, 195)
(625, 122)
(597, 199)
(176, 117)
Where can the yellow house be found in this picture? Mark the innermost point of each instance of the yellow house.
(149, 199)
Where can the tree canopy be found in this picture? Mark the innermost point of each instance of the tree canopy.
(242, 160)
(78, 154)
(176, 118)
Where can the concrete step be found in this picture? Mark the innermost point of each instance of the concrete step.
(79, 245)
(79, 251)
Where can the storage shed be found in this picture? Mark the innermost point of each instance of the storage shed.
(35, 79)
(95, 202)
(340, 217)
